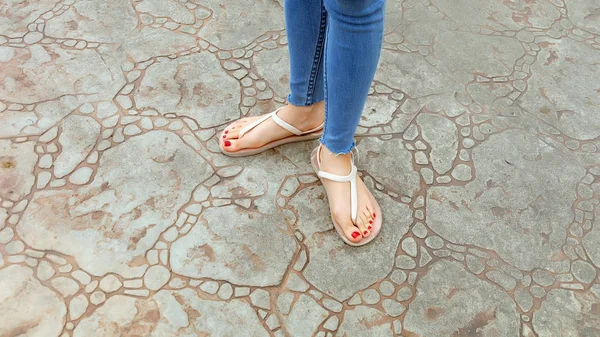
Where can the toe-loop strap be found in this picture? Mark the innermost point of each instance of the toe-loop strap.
(279, 122)
(351, 178)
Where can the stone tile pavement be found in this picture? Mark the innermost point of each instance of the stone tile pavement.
(119, 216)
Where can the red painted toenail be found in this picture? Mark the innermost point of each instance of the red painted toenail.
(226, 131)
(374, 215)
(369, 227)
(227, 143)
(366, 232)
(371, 222)
(224, 136)
(355, 235)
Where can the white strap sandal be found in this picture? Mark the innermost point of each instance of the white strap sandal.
(351, 178)
(298, 136)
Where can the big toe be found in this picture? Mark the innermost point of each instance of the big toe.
(351, 232)
(232, 145)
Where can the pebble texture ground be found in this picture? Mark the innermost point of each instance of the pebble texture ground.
(119, 216)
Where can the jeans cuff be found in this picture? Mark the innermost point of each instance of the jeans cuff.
(302, 101)
(337, 148)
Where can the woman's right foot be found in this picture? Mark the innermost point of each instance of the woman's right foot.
(300, 117)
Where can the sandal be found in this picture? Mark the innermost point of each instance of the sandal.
(351, 178)
(298, 136)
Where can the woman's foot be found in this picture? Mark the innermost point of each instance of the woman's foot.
(301, 117)
(338, 195)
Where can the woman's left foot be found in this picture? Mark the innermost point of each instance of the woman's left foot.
(338, 194)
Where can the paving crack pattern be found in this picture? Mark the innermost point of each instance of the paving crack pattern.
(120, 217)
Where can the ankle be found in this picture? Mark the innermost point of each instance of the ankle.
(303, 117)
(308, 111)
(329, 158)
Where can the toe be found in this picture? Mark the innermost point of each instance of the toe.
(362, 223)
(237, 125)
(231, 134)
(351, 232)
(242, 122)
(370, 209)
(232, 145)
(368, 218)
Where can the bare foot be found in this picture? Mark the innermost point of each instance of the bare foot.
(338, 195)
(302, 118)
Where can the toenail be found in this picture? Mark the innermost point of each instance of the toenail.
(366, 232)
(369, 227)
(371, 222)
(374, 215)
(227, 143)
(226, 131)
(355, 235)
(224, 136)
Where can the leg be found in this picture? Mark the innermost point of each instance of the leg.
(354, 38)
(353, 46)
(305, 24)
(306, 21)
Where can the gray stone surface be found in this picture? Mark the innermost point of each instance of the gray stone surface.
(584, 15)
(172, 9)
(206, 94)
(274, 67)
(379, 111)
(499, 15)
(417, 77)
(502, 53)
(119, 216)
(17, 162)
(261, 298)
(156, 277)
(442, 135)
(95, 73)
(405, 180)
(563, 101)
(305, 317)
(16, 18)
(78, 138)
(237, 19)
(26, 303)
(112, 22)
(583, 271)
(213, 248)
(124, 189)
(176, 313)
(590, 243)
(567, 313)
(371, 296)
(451, 300)
(365, 321)
(149, 42)
(507, 207)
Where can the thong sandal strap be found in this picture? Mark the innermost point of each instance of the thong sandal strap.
(279, 122)
(351, 178)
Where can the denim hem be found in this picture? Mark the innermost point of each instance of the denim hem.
(333, 147)
(303, 102)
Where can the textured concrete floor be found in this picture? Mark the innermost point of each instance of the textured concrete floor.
(119, 216)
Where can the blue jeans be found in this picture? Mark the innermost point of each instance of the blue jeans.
(334, 48)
